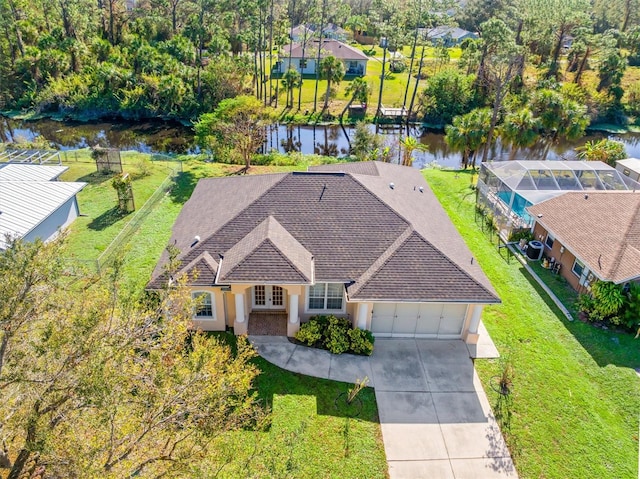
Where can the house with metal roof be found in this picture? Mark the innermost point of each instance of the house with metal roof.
(302, 57)
(629, 167)
(33, 203)
(591, 235)
(367, 241)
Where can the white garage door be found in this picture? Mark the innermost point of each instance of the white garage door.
(423, 320)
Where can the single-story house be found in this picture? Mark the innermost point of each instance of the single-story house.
(447, 35)
(331, 31)
(507, 188)
(33, 203)
(304, 55)
(366, 241)
(591, 235)
(629, 167)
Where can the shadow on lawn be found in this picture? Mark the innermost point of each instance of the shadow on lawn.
(96, 178)
(276, 381)
(605, 346)
(106, 219)
(184, 184)
(273, 381)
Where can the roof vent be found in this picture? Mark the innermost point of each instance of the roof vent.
(196, 240)
(392, 186)
(586, 197)
(421, 189)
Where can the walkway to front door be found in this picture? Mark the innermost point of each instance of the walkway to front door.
(268, 323)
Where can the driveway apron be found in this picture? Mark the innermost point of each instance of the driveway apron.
(434, 414)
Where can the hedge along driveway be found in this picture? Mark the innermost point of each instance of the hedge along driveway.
(575, 404)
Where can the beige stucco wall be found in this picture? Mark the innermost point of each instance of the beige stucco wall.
(217, 323)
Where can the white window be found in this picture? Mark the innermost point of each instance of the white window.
(549, 241)
(578, 267)
(203, 305)
(326, 296)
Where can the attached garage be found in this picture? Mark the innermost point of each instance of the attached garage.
(422, 320)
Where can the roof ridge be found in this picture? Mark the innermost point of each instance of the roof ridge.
(382, 259)
(633, 224)
(205, 255)
(378, 197)
(451, 262)
(202, 244)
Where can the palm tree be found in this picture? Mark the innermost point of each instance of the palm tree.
(608, 151)
(291, 80)
(359, 90)
(520, 130)
(357, 23)
(409, 144)
(559, 117)
(468, 133)
(332, 70)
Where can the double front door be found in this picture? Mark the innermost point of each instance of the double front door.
(268, 297)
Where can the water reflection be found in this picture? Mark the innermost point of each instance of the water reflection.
(333, 140)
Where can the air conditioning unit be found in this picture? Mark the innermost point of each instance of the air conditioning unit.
(534, 250)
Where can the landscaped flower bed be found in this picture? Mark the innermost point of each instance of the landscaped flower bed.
(335, 335)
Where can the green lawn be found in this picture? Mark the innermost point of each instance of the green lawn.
(100, 223)
(308, 437)
(576, 395)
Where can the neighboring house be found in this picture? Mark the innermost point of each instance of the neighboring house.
(592, 235)
(629, 167)
(366, 241)
(447, 35)
(33, 204)
(331, 31)
(507, 188)
(304, 55)
(301, 33)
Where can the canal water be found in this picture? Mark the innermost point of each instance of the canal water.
(333, 140)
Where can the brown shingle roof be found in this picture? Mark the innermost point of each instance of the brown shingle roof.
(340, 50)
(358, 229)
(268, 254)
(602, 229)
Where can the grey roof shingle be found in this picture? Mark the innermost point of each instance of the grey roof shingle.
(359, 230)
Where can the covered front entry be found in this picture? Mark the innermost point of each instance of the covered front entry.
(422, 320)
(267, 297)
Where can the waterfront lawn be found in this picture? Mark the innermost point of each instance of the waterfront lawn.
(307, 436)
(575, 401)
(100, 223)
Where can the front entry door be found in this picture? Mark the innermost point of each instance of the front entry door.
(268, 297)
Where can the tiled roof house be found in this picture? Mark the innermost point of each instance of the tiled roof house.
(593, 235)
(367, 241)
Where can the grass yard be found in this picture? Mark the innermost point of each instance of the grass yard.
(100, 223)
(576, 394)
(308, 435)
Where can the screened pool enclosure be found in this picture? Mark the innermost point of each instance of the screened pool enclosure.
(507, 188)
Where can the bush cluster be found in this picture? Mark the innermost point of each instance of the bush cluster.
(612, 304)
(335, 335)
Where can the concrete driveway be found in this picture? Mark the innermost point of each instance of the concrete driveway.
(435, 417)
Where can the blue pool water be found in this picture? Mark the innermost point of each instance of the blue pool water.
(519, 203)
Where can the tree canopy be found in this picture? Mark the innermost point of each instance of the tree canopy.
(94, 385)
